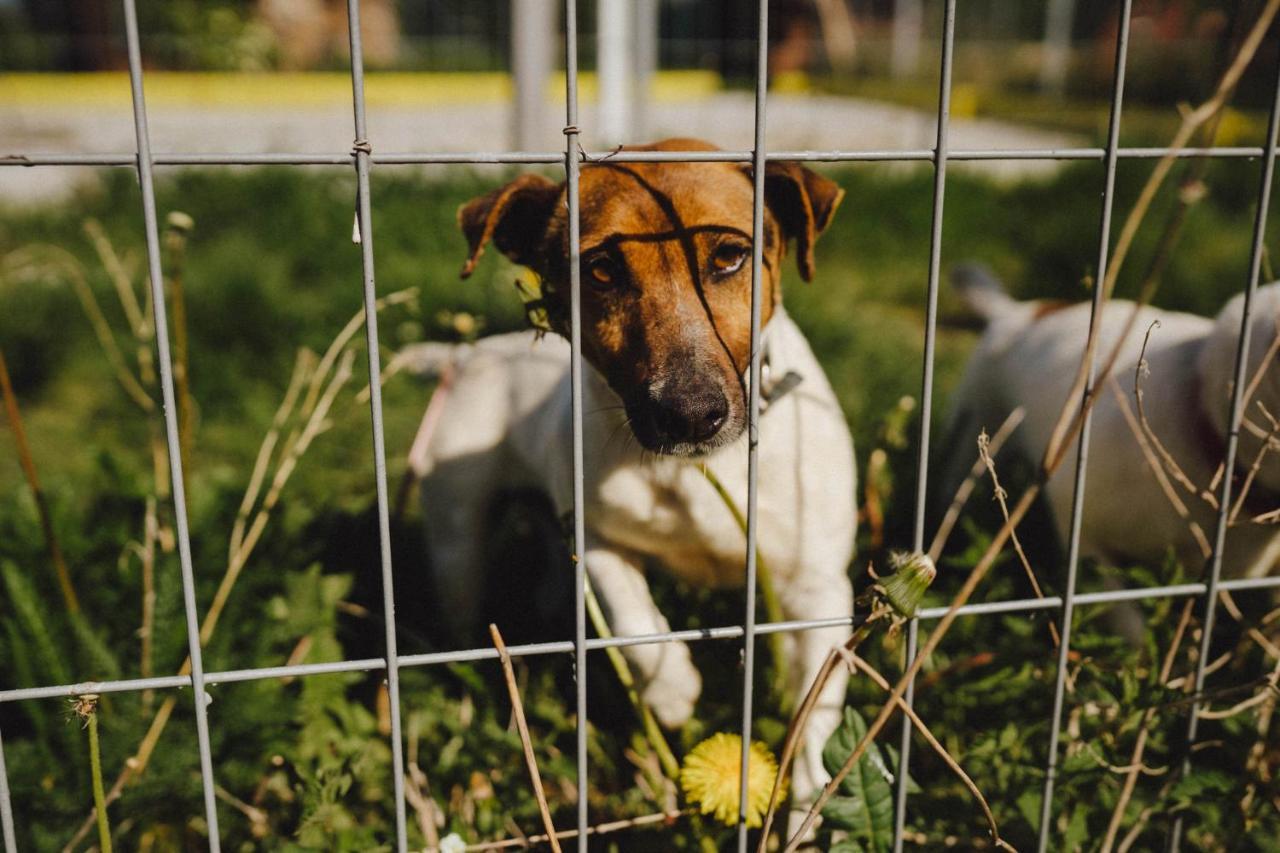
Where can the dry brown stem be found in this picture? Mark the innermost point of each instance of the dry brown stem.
(984, 453)
(949, 520)
(1157, 469)
(28, 463)
(417, 789)
(946, 756)
(599, 829)
(302, 371)
(119, 276)
(1170, 465)
(531, 761)
(52, 260)
(1144, 729)
(1062, 434)
(877, 725)
(315, 425)
(344, 337)
(801, 717)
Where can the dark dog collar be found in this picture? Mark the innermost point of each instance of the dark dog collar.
(1260, 499)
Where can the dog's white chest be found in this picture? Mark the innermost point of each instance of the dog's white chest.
(668, 509)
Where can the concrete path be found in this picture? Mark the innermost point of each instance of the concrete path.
(795, 122)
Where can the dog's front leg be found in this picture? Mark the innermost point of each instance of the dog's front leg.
(668, 682)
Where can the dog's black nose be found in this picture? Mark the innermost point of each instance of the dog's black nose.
(691, 418)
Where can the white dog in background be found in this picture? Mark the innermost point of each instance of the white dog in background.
(1028, 356)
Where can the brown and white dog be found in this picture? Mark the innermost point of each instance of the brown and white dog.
(666, 299)
(1028, 356)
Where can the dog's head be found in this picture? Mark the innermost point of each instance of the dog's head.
(666, 277)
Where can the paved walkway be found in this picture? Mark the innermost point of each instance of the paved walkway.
(795, 122)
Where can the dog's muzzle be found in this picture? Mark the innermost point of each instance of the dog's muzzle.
(682, 419)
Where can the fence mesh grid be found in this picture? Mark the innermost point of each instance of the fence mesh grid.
(362, 157)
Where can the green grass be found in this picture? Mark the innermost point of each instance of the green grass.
(271, 268)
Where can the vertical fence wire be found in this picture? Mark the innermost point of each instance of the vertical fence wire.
(1236, 414)
(1082, 452)
(572, 170)
(362, 150)
(758, 167)
(7, 830)
(926, 386)
(163, 359)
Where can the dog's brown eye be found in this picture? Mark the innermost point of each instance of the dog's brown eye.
(602, 273)
(728, 258)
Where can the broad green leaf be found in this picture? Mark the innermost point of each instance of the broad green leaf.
(865, 804)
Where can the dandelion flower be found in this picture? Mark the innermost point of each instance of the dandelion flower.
(912, 574)
(709, 778)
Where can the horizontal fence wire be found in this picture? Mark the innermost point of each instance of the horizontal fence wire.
(362, 158)
(557, 158)
(726, 632)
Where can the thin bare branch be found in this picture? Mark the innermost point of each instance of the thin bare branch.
(984, 453)
(1063, 432)
(599, 829)
(801, 717)
(116, 272)
(1144, 730)
(530, 760)
(946, 756)
(28, 463)
(1170, 464)
(1157, 469)
(949, 520)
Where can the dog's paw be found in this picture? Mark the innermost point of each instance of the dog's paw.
(671, 696)
(795, 820)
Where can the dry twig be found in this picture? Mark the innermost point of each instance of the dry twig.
(947, 758)
(984, 453)
(1144, 730)
(801, 717)
(530, 760)
(28, 464)
(949, 520)
(1157, 469)
(666, 817)
(1064, 430)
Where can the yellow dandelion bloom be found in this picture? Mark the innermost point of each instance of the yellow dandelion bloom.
(709, 778)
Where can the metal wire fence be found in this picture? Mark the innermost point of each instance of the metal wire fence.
(362, 157)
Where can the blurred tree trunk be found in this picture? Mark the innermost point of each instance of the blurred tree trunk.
(1057, 45)
(89, 25)
(839, 38)
(533, 43)
(311, 32)
(908, 29)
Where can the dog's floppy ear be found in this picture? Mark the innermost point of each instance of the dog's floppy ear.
(515, 217)
(803, 202)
